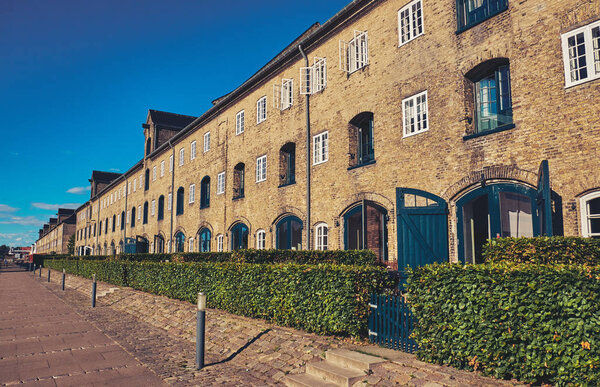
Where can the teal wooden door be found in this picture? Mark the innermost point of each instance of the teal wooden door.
(544, 201)
(422, 228)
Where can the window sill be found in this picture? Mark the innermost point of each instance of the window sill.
(203, 207)
(498, 129)
(238, 197)
(469, 26)
(362, 165)
(286, 184)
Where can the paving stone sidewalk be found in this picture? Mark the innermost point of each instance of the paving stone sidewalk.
(45, 342)
(240, 351)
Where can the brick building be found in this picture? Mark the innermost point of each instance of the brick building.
(417, 129)
(54, 236)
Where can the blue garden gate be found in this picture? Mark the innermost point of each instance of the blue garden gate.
(391, 323)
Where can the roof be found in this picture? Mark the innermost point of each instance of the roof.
(105, 177)
(66, 211)
(170, 120)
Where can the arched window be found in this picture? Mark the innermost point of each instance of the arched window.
(321, 236)
(113, 249)
(106, 226)
(590, 215)
(289, 233)
(260, 239)
(159, 244)
(114, 222)
(191, 244)
(287, 164)
(204, 240)
(220, 242)
(180, 201)
(100, 229)
(239, 236)
(179, 242)
(148, 146)
(161, 208)
(360, 132)
(147, 180)
(238, 181)
(121, 251)
(122, 220)
(145, 218)
(132, 217)
(365, 227)
(205, 192)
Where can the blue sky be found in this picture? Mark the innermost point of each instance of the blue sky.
(77, 78)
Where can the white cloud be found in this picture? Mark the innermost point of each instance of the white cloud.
(79, 190)
(23, 220)
(115, 170)
(7, 208)
(18, 239)
(54, 207)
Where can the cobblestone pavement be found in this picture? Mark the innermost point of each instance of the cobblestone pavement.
(44, 342)
(240, 351)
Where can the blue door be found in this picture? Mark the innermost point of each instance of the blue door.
(204, 240)
(422, 228)
(239, 236)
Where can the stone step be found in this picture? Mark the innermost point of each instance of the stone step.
(352, 359)
(106, 292)
(341, 376)
(306, 380)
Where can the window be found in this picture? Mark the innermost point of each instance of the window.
(192, 195)
(261, 109)
(361, 140)
(414, 111)
(139, 212)
(287, 164)
(193, 150)
(170, 202)
(153, 208)
(162, 168)
(134, 187)
(410, 21)
(171, 163)
(205, 192)
(472, 12)
(179, 209)
(320, 148)
(590, 215)
(261, 168)
(260, 239)
(321, 234)
(239, 123)
(354, 54)
(238, 181)
(581, 54)
(289, 233)
(204, 240)
(114, 218)
(132, 219)
(191, 244)
(140, 187)
(128, 190)
(283, 97)
(491, 89)
(239, 236)
(220, 242)
(145, 219)
(179, 242)
(206, 142)
(221, 183)
(314, 79)
(181, 156)
(147, 180)
(161, 208)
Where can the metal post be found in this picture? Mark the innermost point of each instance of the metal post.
(94, 292)
(63, 281)
(30, 265)
(34, 269)
(200, 319)
(48, 274)
(40, 273)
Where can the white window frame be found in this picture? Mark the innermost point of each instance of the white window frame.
(134, 186)
(140, 182)
(181, 156)
(283, 96)
(193, 150)
(127, 217)
(128, 189)
(171, 164)
(261, 109)
(191, 244)
(261, 168)
(593, 71)
(139, 212)
(220, 242)
(354, 55)
(409, 13)
(261, 237)
(206, 142)
(154, 173)
(162, 168)
(170, 202)
(221, 183)
(192, 196)
(153, 208)
(585, 216)
(239, 123)
(414, 111)
(321, 148)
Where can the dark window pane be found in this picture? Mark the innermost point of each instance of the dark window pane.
(594, 207)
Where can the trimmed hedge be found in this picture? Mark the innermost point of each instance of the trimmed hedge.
(535, 323)
(542, 250)
(325, 298)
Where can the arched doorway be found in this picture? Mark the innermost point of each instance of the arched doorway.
(204, 240)
(289, 233)
(179, 242)
(365, 227)
(159, 244)
(495, 211)
(239, 236)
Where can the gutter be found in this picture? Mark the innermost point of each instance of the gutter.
(308, 163)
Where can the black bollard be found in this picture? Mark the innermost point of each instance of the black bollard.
(94, 292)
(48, 274)
(200, 320)
(40, 273)
(63, 281)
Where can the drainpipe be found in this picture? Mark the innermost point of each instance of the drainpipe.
(308, 223)
(125, 227)
(172, 199)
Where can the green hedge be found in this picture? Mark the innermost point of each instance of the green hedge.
(325, 298)
(535, 323)
(567, 250)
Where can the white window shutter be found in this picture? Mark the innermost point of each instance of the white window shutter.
(343, 54)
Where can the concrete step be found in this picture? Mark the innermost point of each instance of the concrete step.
(306, 380)
(352, 359)
(106, 292)
(341, 376)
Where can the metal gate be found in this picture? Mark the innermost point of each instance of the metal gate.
(391, 323)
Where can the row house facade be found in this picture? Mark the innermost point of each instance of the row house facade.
(417, 129)
(54, 236)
